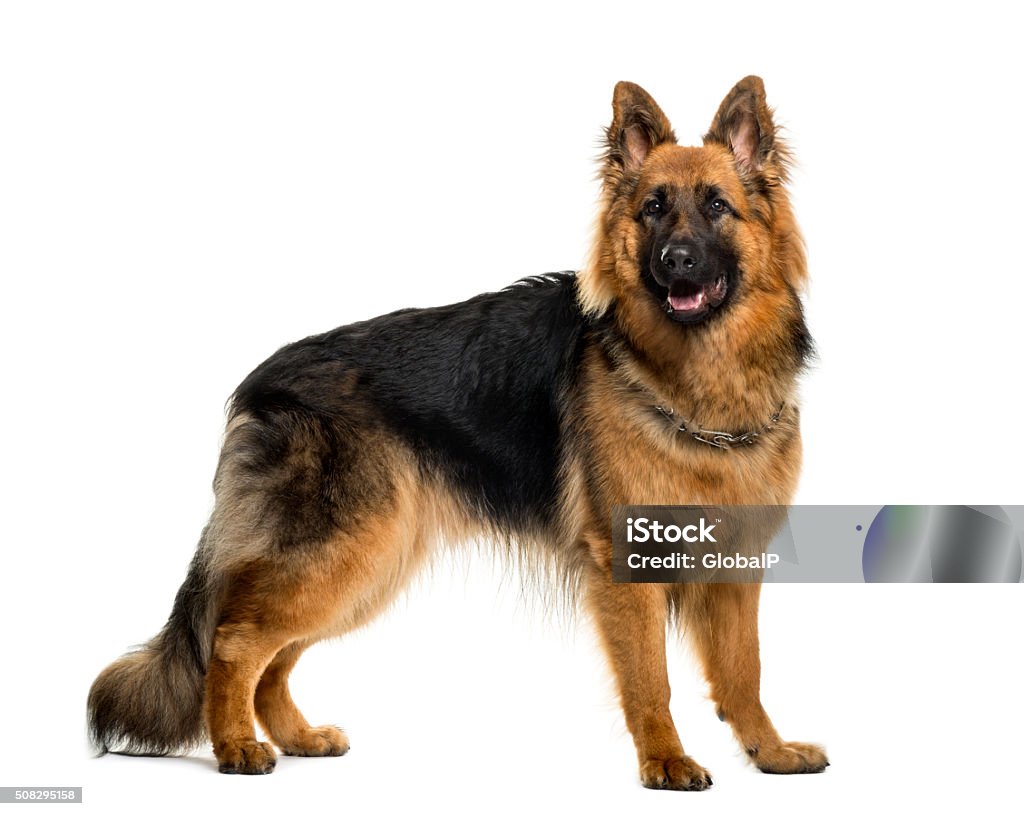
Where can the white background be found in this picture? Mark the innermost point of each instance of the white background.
(184, 187)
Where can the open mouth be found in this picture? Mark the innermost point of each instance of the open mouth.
(688, 301)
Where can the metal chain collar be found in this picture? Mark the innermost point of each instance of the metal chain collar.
(719, 439)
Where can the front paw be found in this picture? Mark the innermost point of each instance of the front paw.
(789, 758)
(675, 773)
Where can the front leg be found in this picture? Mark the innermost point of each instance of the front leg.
(631, 621)
(724, 624)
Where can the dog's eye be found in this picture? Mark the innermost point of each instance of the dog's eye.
(653, 207)
(719, 206)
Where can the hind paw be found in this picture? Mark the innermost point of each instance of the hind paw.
(245, 757)
(323, 741)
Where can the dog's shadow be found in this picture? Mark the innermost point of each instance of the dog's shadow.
(197, 761)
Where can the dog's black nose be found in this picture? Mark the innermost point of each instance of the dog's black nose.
(680, 257)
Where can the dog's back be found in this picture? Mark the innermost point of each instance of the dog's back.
(476, 392)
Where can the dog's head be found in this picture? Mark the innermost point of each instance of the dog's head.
(688, 235)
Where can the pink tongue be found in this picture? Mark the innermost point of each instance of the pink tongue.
(686, 303)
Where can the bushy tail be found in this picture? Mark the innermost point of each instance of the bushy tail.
(151, 700)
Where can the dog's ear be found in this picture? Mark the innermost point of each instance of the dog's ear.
(638, 126)
(744, 125)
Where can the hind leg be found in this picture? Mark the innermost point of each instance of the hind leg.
(316, 528)
(274, 608)
(272, 605)
(281, 718)
(725, 629)
(240, 654)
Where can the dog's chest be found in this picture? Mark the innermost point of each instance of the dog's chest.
(641, 459)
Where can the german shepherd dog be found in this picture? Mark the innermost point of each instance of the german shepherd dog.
(521, 416)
